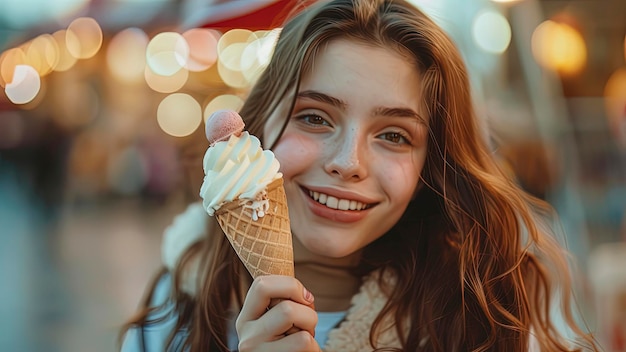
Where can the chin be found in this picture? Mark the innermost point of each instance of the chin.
(328, 248)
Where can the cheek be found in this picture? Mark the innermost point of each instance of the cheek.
(295, 153)
(400, 177)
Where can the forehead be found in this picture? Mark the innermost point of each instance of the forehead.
(347, 43)
(351, 53)
(362, 72)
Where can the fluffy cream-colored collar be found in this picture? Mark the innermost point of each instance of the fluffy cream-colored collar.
(351, 335)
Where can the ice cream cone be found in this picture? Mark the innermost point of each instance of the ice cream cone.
(263, 245)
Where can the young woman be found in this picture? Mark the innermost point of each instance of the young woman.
(367, 103)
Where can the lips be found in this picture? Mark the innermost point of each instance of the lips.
(341, 207)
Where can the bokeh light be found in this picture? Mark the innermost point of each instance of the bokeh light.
(8, 61)
(24, 86)
(243, 55)
(83, 38)
(202, 48)
(267, 45)
(251, 66)
(126, 55)
(39, 98)
(42, 53)
(167, 53)
(222, 102)
(230, 50)
(234, 36)
(65, 59)
(257, 54)
(615, 100)
(179, 115)
(166, 84)
(231, 56)
(559, 47)
(232, 78)
(491, 32)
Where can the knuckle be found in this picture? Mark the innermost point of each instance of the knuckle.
(287, 309)
(303, 338)
(260, 284)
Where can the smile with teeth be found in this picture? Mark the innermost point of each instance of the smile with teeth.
(336, 203)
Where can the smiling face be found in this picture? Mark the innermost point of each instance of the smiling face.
(353, 149)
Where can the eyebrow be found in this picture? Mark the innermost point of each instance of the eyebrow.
(399, 112)
(323, 98)
(379, 111)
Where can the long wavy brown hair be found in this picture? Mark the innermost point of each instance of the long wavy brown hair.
(475, 257)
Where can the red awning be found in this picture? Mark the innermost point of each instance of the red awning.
(245, 14)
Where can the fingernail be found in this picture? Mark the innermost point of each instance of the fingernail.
(308, 296)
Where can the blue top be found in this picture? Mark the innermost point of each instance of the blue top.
(153, 336)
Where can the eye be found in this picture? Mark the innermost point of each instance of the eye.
(395, 137)
(313, 120)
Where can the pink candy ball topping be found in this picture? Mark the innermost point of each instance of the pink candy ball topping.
(222, 124)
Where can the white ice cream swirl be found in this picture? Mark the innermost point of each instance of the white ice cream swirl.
(238, 169)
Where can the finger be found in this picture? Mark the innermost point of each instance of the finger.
(301, 341)
(275, 301)
(293, 329)
(289, 317)
(265, 288)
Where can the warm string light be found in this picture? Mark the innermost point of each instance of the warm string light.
(23, 67)
(240, 56)
(179, 114)
(559, 47)
(221, 102)
(163, 62)
(125, 56)
(491, 31)
(615, 104)
(83, 38)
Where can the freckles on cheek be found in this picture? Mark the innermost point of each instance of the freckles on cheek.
(295, 153)
(405, 175)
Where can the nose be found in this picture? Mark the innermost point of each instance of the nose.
(347, 158)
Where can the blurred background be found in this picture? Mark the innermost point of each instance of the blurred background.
(101, 139)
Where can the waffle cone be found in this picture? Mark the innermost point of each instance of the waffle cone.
(264, 246)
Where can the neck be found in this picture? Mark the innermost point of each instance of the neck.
(331, 280)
